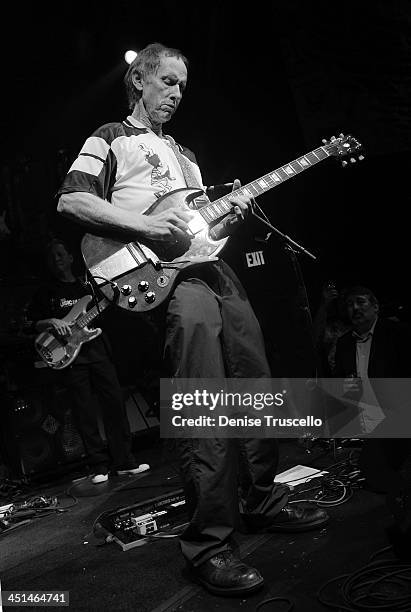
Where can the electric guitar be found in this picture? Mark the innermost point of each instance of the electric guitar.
(145, 273)
(59, 352)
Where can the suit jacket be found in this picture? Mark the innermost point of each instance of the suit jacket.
(389, 370)
(390, 352)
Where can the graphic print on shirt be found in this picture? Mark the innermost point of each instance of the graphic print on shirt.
(160, 174)
(65, 303)
(61, 306)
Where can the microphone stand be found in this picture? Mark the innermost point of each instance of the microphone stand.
(293, 248)
(292, 243)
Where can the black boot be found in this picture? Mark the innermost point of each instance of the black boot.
(298, 517)
(226, 574)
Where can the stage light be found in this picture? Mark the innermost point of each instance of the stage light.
(130, 56)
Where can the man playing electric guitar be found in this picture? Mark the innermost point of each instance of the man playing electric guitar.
(211, 330)
(92, 370)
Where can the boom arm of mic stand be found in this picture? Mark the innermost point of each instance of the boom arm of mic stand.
(284, 236)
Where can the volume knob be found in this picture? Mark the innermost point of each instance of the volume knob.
(150, 297)
(132, 301)
(143, 286)
(126, 289)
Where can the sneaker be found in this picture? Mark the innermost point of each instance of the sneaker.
(100, 474)
(131, 469)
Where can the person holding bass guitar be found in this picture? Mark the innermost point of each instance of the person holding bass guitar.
(211, 330)
(92, 370)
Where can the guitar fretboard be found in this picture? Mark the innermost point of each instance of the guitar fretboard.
(222, 206)
(91, 314)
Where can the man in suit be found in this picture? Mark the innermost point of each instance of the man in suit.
(386, 353)
(376, 351)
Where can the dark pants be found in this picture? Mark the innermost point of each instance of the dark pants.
(101, 378)
(212, 332)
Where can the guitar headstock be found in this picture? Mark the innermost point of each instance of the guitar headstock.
(344, 147)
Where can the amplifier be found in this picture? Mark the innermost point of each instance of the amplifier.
(132, 526)
(39, 436)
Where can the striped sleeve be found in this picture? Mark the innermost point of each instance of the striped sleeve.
(94, 169)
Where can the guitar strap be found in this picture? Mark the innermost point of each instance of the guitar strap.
(189, 176)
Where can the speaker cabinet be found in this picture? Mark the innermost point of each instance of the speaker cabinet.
(40, 435)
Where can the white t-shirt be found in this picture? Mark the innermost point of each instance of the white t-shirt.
(128, 165)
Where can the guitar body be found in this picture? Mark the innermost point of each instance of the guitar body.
(146, 273)
(58, 352)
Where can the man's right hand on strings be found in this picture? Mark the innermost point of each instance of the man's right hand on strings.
(170, 225)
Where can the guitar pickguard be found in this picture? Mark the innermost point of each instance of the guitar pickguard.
(146, 273)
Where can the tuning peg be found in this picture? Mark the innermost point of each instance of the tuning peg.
(360, 157)
(341, 135)
(352, 160)
(324, 141)
(333, 138)
(344, 163)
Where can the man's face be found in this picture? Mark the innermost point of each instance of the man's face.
(361, 312)
(163, 90)
(59, 260)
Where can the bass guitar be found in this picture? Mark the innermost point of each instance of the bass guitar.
(59, 352)
(145, 274)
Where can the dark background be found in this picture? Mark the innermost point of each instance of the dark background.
(267, 82)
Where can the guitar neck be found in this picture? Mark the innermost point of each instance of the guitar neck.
(91, 314)
(217, 209)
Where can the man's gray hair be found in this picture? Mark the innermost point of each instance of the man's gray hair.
(147, 62)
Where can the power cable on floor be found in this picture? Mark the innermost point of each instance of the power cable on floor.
(276, 599)
(379, 585)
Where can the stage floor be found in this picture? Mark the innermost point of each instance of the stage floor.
(62, 552)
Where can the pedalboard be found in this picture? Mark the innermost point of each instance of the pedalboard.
(133, 525)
